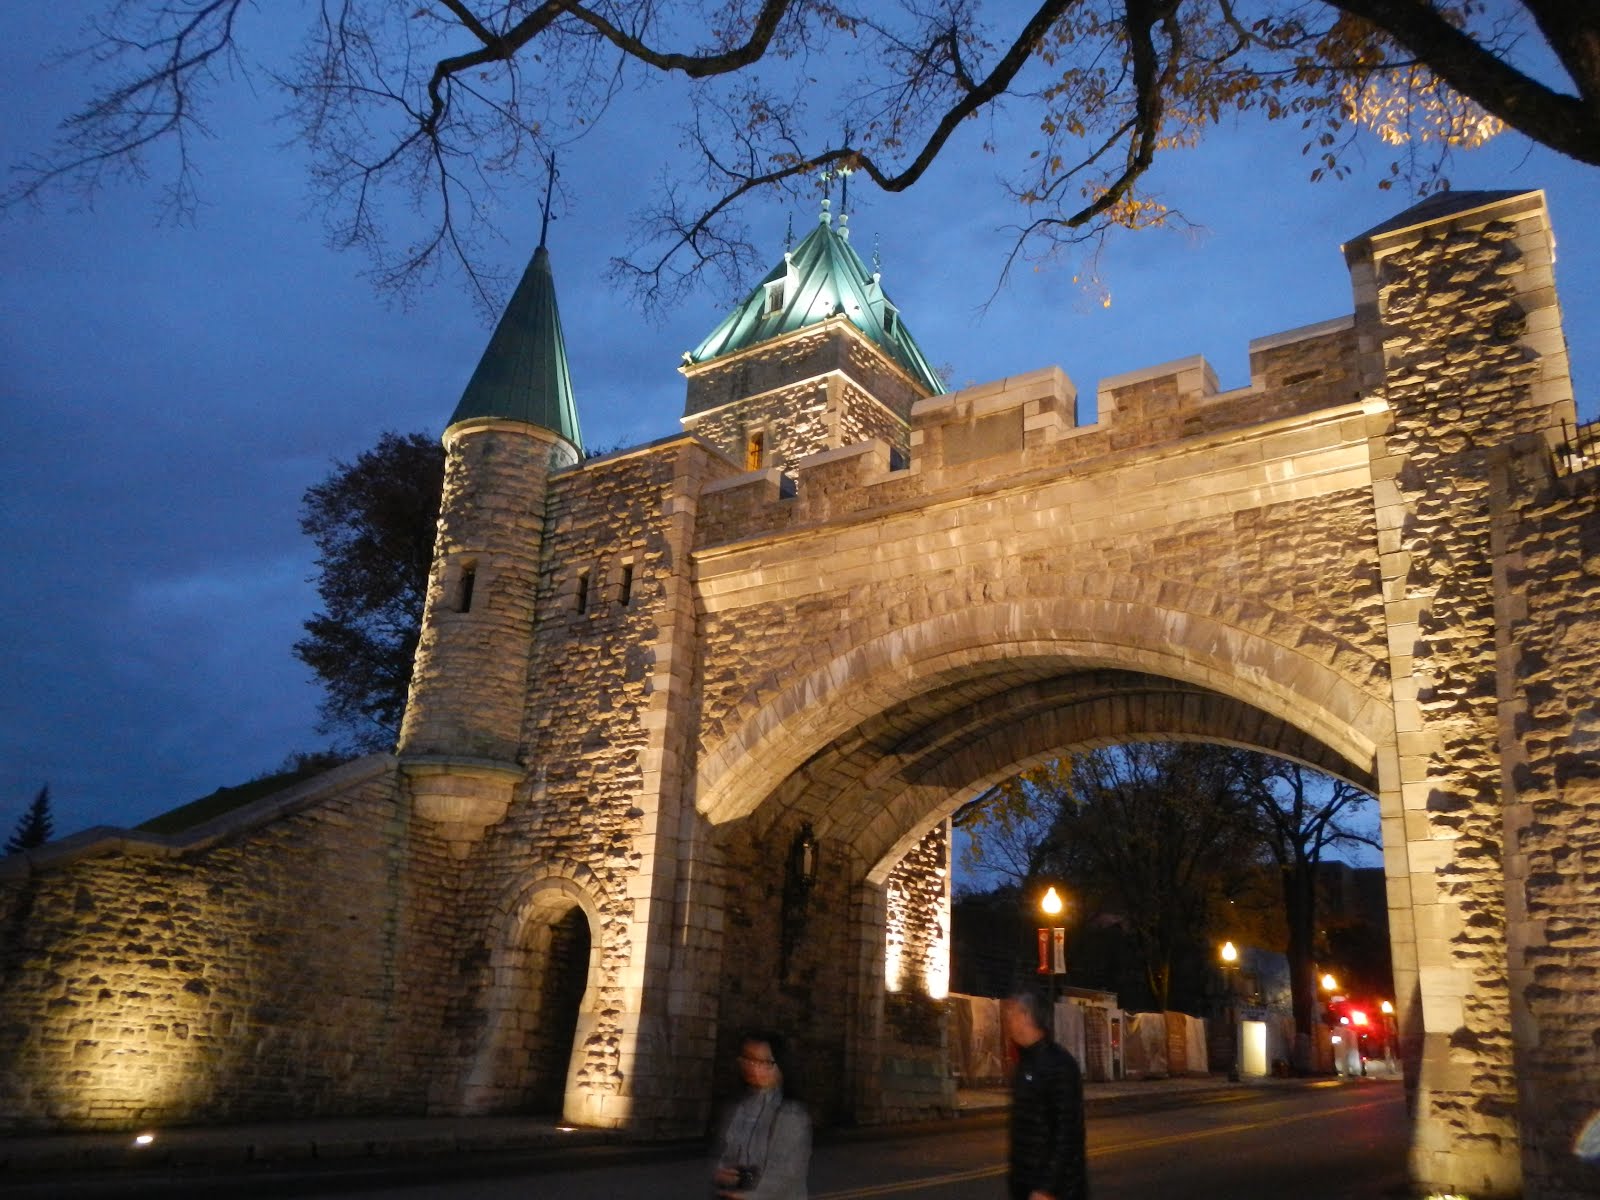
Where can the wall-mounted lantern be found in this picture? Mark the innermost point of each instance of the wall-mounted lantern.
(798, 880)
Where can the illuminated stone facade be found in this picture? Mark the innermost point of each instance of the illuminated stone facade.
(681, 757)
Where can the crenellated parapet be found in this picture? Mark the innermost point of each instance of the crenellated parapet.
(1014, 428)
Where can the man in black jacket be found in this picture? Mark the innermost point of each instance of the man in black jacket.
(1047, 1146)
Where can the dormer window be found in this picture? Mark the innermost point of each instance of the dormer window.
(774, 298)
(890, 319)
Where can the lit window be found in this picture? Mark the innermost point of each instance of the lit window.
(755, 450)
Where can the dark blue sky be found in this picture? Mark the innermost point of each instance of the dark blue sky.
(169, 393)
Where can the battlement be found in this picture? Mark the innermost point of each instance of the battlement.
(992, 432)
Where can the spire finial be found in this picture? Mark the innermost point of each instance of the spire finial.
(877, 256)
(844, 172)
(788, 235)
(549, 191)
(826, 218)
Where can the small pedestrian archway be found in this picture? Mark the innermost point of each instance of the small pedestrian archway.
(538, 1009)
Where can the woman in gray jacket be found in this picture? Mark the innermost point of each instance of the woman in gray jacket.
(764, 1151)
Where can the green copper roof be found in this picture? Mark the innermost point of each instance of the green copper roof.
(523, 373)
(821, 277)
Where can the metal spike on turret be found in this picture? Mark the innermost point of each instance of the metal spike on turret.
(523, 374)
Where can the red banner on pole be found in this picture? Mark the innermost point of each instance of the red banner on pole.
(1044, 951)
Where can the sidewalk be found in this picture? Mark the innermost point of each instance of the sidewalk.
(417, 1137)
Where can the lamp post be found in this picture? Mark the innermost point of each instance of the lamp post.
(1388, 1037)
(1052, 946)
(1330, 986)
(1230, 965)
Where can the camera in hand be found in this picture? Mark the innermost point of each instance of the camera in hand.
(748, 1178)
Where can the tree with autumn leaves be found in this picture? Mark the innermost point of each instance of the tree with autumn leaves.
(1171, 841)
(449, 106)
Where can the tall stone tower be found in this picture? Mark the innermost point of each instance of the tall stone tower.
(816, 357)
(515, 424)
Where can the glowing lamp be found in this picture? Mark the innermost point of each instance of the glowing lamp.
(1387, 1008)
(1329, 983)
(1357, 1017)
(1230, 953)
(1051, 902)
(144, 1139)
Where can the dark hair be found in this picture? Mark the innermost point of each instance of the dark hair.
(1033, 1004)
(779, 1046)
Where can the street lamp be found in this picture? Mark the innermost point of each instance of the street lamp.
(1230, 964)
(1052, 945)
(1388, 1036)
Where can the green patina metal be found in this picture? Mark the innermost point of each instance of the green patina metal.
(820, 278)
(523, 374)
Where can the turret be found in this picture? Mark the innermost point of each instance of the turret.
(815, 357)
(515, 424)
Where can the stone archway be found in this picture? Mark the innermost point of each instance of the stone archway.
(877, 796)
(539, 1009)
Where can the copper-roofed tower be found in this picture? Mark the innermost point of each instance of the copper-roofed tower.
(816, 356)
(515, 424)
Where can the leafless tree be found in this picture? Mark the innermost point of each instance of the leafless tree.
(441, 103)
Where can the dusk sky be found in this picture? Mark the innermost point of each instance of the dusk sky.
(170, 393)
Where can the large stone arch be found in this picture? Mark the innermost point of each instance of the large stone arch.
(1291, 673)
(876, 793)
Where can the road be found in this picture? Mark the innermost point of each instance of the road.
(1339, 1142)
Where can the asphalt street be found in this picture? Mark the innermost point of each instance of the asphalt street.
(1340, 1142)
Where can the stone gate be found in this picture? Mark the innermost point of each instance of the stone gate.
(688, 720)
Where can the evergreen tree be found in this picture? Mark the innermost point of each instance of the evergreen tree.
(34, 827)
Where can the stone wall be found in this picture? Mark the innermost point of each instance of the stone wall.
(595, 818)
(1457, 320)
(1549, 654)
(914, 1079)
(468, 683)
(827, 387)
(285, 961)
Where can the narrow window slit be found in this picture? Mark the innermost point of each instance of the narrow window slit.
(627, 583)
(469, 578)
(583, 591)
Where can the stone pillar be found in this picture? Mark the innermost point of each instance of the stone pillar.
(669, 1023)
(1462, 354)
(463, 724)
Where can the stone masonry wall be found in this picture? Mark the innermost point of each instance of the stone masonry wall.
(1552, 653)
(1467, 369)
(805, 996)
(832, 346)
(589, 812)
(288, 970)
(914, 1079)
(794, 421)
(468, 683)
(917, 944)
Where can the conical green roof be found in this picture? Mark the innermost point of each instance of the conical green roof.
(523, 373)
(821, 277)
